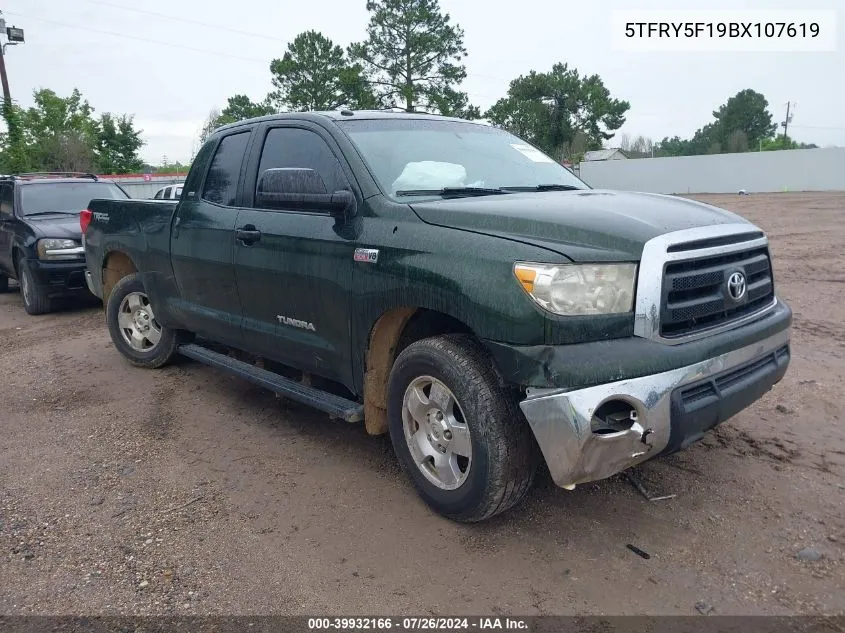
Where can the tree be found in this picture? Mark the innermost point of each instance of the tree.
(314, 74)
(675, 146)
(14, 157)
(61, 134)
(238, 108)
(784, 142)
(746, 112)
(412, 56)
(550, 109)
(741, 124)
(117, 144)
(639, 147)
(211, 124)
(241, 107)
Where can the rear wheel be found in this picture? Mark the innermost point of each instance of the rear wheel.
(133, 326)
(35, 300)
(457, 433)
(4, 283)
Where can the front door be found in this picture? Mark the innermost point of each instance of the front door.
(294, 268)
(202, 247)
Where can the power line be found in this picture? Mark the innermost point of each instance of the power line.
(162, 43)
(817, 127)
(229, 29)
(186, 20)
(139, 39)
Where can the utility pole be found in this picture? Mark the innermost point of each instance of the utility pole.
(7, 97)
(14, 36)
(786, 121)
(6, 94)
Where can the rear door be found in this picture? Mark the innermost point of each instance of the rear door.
(294, 280)
(202, 243)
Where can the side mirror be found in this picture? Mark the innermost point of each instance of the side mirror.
(301, 189)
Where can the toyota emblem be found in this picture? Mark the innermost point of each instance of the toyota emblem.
(737, 286)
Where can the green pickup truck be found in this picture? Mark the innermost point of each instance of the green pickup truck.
(447, 283)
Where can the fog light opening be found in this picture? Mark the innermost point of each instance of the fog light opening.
(614, 416)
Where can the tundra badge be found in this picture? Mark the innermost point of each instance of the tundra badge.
(305, 325)
(368, 255)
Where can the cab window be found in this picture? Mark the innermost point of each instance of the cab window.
(303, 149)
(221, 182)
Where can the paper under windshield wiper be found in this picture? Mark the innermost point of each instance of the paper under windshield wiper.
(553, 187)
(29, 215)
(453, 191)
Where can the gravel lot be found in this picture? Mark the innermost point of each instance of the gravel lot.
(184, 491)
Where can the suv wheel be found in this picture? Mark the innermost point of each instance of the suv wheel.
(4, 283)
(35, 300)
(133, 326)
(457, 433)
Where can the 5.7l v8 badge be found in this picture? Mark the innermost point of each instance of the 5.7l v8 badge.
(367, 255)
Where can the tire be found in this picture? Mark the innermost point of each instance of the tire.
(4, 284)
(35, 300)
(133, 328)
(503, 453)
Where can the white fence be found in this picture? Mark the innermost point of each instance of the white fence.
(788, 170)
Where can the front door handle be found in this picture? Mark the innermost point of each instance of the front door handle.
(248, 234)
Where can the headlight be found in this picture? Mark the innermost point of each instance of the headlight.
(571, 289)
(53, 249)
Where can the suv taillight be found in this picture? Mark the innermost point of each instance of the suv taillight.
(85, 219)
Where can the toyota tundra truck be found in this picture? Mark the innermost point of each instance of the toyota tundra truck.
(450, 284)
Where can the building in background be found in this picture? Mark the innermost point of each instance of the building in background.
(614, 153)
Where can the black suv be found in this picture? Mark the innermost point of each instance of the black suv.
(40, 236)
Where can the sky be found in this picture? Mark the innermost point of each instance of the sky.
(169, 62)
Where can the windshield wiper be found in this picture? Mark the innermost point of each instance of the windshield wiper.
(29, 215)
(453, 191)
(544, 188)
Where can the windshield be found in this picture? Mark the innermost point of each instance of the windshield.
(65, 196)
(419, 157)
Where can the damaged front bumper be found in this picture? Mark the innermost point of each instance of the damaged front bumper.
(669, 411)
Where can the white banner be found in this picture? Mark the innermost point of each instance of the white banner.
(731, 30)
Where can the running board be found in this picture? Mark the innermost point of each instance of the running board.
(335, 406)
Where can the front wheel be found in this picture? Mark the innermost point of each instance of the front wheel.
(133, 326)
(35, 300)
(457, 433)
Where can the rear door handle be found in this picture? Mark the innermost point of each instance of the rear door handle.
(248, 234)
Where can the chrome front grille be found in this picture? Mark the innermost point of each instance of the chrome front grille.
(682, 283)
(695, 292)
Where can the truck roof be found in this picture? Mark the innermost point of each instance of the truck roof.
(346, 115)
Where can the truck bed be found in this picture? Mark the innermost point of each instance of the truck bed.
(138, 228)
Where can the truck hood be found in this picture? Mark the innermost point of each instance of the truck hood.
(58, 226)
(585, 225)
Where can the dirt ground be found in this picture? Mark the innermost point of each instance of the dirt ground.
(184, 491)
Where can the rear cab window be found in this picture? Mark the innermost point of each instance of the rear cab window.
(221, 182)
